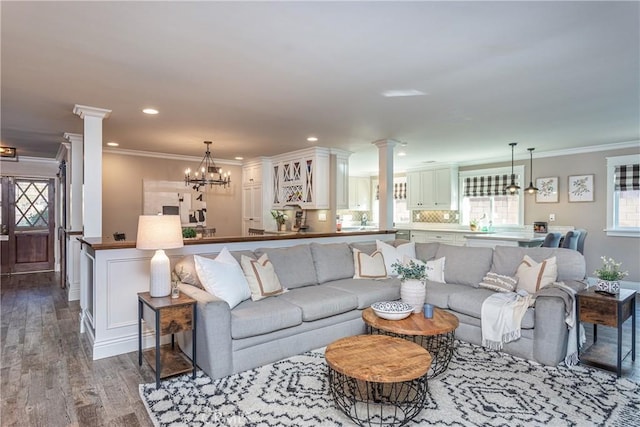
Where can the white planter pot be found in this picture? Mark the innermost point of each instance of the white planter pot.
(413, 292)
(611, 286)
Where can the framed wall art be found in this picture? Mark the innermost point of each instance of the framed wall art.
(547, 190)
(581, 188)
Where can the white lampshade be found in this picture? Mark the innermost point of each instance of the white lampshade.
(159, 232)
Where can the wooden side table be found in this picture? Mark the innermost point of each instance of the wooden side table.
(607, 310)
(171, 315)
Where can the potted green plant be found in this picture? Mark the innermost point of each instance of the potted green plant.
(413, 288)
(188, 233)
(280, 218)
(609, 276)
(473, 224)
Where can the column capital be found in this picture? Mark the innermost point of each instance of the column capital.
(382, 143)
(86, 111)
(73, 137)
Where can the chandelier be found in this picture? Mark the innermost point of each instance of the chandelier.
(207, 173)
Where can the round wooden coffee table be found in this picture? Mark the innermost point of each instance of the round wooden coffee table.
(377, 379)
(435, 334)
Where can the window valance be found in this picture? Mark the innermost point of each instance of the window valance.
(627, 177)
(490, 185)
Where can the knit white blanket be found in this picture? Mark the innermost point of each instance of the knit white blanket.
(501, 317)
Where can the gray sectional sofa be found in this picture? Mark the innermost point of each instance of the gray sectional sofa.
(325, 303)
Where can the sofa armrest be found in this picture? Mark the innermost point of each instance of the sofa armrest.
(213, 349)
(551, 332)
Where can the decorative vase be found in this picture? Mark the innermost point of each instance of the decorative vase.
(413, 292)
(610, 286)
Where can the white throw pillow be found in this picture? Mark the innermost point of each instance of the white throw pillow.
(223, 277)
(262, 277)
(499, 283)
(434, 268)
(392, 254)
(533, 276)
(369, 266)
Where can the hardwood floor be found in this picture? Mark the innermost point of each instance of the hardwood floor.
(47, 377)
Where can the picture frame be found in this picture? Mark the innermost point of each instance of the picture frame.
(547, 189)
(580, 188)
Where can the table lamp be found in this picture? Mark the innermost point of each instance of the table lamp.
(159, 232)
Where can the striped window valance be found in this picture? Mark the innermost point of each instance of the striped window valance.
(627, 177)
(490, 185)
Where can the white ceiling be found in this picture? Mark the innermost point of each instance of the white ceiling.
(258, 78)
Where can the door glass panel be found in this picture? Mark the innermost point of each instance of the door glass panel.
(32, 204)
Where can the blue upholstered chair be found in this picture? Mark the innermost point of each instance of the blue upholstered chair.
(581, 238)
(570, 240)
(552, 240)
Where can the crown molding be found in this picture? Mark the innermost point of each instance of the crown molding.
(557, 153)
(166, 156)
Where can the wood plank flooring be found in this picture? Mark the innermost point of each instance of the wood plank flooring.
(47, 377)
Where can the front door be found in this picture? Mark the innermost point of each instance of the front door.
(30, 223)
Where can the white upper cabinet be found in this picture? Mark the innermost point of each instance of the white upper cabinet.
(359, 193)
(433, 189)
(301, 178)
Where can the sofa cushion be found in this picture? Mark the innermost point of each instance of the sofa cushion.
(470, 303)
(426, 251)
(369, 291)
(499, 282)
(533, 276)
(318, 302)
(368, 266)
(465, 265)
(434, 269)
(185, 269)
(571, 264)
(261, 277)
(332, 261)
(223, 277)
(393, 254)
(294, 266)
(438, 293)
(251, 318)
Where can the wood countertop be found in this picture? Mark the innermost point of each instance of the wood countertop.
(99, 243)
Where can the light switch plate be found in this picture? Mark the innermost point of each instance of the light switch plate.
(552, 217)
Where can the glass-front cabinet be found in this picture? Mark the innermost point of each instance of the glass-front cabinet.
(301, 178)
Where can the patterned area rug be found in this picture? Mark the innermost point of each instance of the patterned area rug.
(480, 388)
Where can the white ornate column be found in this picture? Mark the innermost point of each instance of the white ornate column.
(75, 174)
(92, 194)
(91, 207)
(385, 182)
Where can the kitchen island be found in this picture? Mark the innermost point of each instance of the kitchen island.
(510, 238)
(112, 273)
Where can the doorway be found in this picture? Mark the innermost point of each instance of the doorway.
(28, 216)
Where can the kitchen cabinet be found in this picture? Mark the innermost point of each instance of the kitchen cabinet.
(433, 189)
(252, 215)
(342, 178)
(252, 173)
(359, 193)
(301, 178)
(449, 238)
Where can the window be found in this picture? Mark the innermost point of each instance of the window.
(623, 196)
(400, 213)
(485, 200)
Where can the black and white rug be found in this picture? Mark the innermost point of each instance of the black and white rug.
(480, 388)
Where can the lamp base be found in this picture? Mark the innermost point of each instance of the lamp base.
(160, 275)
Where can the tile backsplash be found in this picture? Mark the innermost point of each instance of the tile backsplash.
(435, 216)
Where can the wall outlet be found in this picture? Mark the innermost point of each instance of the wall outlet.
(552, 217)
(322, 217)
(446, 216)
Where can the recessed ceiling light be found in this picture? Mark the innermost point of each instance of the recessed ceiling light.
(150, 111)
(402, 153)
(239, 158)
(112, 144)
(402, 92)
(312, 139)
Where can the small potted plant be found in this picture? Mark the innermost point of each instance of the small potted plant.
(413, 288)
(280, 218)
(609, 276)
(473, 225)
